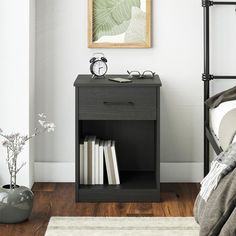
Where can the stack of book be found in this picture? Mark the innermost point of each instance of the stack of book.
(92, 154)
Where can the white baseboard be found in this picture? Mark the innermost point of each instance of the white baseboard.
(54, 172)
(170, 172)
(182, 172)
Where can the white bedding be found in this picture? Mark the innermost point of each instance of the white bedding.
(223, 122)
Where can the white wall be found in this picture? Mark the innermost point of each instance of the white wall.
(176, 55)
(14, 80)
(223, 49)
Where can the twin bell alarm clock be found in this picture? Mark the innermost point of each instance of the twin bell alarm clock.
(98, 67)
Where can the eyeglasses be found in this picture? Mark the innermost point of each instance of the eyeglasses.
(147, 74)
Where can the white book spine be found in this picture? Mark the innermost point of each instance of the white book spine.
(115, 165)
(100, 164)
(90, 166)
(113, 179)
(85, 162)
(81, 163)
(96, 157)
(91, 150)
(93, 162)
(107, 161)
(91, 157)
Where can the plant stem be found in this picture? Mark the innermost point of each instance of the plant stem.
(9, 166)
(14, 171)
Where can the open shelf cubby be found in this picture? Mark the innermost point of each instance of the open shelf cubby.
(135, 148)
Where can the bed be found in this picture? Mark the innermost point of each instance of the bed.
(216, 215)
(215, 206)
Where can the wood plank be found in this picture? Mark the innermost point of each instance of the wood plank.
(140, 209)
(44, 187)
(108, 209)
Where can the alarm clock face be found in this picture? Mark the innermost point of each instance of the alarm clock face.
(99, 68)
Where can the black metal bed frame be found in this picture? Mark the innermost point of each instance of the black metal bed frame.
(207, 77)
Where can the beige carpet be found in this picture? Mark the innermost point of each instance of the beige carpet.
(122, 226)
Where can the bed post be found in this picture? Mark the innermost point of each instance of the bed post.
(206, 78)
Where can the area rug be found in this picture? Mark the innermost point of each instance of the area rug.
(122, 226)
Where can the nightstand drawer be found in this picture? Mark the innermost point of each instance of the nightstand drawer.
(115, 103)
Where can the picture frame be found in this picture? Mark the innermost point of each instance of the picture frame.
(127, 25)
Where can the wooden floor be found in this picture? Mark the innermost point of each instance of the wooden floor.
(58, 200)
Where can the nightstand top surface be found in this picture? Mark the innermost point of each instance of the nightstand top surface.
(87, 81)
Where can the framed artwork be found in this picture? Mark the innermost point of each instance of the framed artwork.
(119, 23)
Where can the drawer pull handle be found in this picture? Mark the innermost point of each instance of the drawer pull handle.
(119, 103)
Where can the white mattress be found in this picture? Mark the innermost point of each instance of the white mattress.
(223, 122)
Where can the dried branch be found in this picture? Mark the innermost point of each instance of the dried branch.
(22, 165)
(15, 142)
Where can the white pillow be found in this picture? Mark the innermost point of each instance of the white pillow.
(227, 129)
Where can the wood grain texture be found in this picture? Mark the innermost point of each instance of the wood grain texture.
(117, 103)
(86, 80)
(58, 200)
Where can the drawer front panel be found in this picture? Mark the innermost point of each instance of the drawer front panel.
(117, 103)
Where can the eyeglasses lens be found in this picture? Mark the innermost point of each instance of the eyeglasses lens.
(148, 74)
(135, 74)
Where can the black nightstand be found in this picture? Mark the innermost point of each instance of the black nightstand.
(129, 114)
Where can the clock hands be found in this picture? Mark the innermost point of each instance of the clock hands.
(100, 69)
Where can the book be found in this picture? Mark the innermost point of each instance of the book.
(81, 164)
(121, 80)
(96, 160)
(113, 180)
(100, 163)
(115, 165)
(85, 161)
(107, 162)
(92, 154)
(91, 159)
